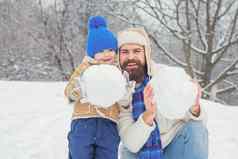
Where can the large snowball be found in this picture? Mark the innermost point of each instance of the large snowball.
(103, 85)
(174, 92)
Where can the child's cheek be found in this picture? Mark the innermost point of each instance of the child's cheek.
(111, 61)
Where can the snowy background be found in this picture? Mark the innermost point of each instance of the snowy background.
(35, 118)
(52, 40)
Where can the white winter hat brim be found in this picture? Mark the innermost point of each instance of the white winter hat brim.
(131, 37)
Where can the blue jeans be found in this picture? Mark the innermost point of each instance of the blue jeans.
(191, 142)
(93, 138)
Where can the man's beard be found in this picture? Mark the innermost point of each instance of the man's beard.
(136, 74)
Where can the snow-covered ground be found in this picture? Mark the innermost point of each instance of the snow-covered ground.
(35, 118)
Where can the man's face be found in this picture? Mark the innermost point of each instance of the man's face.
(132, 60)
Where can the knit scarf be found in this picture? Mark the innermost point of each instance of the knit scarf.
(152, 149)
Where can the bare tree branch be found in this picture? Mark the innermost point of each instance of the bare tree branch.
(215, 98)
(226, 10)
(232, 73)
(199, 30)
(230, 88)
(215, 18)
(223, 74)
(171, 57)
(233, 29)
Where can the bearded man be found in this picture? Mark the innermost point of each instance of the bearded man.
(144, 132)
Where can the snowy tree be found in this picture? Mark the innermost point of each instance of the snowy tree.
(46, 41)
(206, 32)
(65, 25)
(21, 56)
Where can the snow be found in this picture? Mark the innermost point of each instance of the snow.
(35, 119)
(179, 88)
(107, 77)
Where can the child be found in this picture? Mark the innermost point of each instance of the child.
(93, 136)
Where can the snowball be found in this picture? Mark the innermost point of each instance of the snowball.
(103, 85)
(174, 92)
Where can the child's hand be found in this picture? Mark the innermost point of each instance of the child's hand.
(80, 88)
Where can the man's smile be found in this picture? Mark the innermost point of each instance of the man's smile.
(131, 66)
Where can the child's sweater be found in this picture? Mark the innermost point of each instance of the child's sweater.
(87, 110)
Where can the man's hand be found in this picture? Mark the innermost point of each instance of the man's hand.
(195, 109)
(150, 105)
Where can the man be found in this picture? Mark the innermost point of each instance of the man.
(146, 134)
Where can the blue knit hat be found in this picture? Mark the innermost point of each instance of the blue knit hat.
(99, 37)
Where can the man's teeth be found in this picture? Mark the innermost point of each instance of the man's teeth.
(131, 64)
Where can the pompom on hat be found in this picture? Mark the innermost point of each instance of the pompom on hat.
(99, 37)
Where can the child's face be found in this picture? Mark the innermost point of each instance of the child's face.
(107, 56)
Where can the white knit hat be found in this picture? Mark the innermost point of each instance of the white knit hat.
(133, 37)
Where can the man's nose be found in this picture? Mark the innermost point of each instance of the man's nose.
(130, 56)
